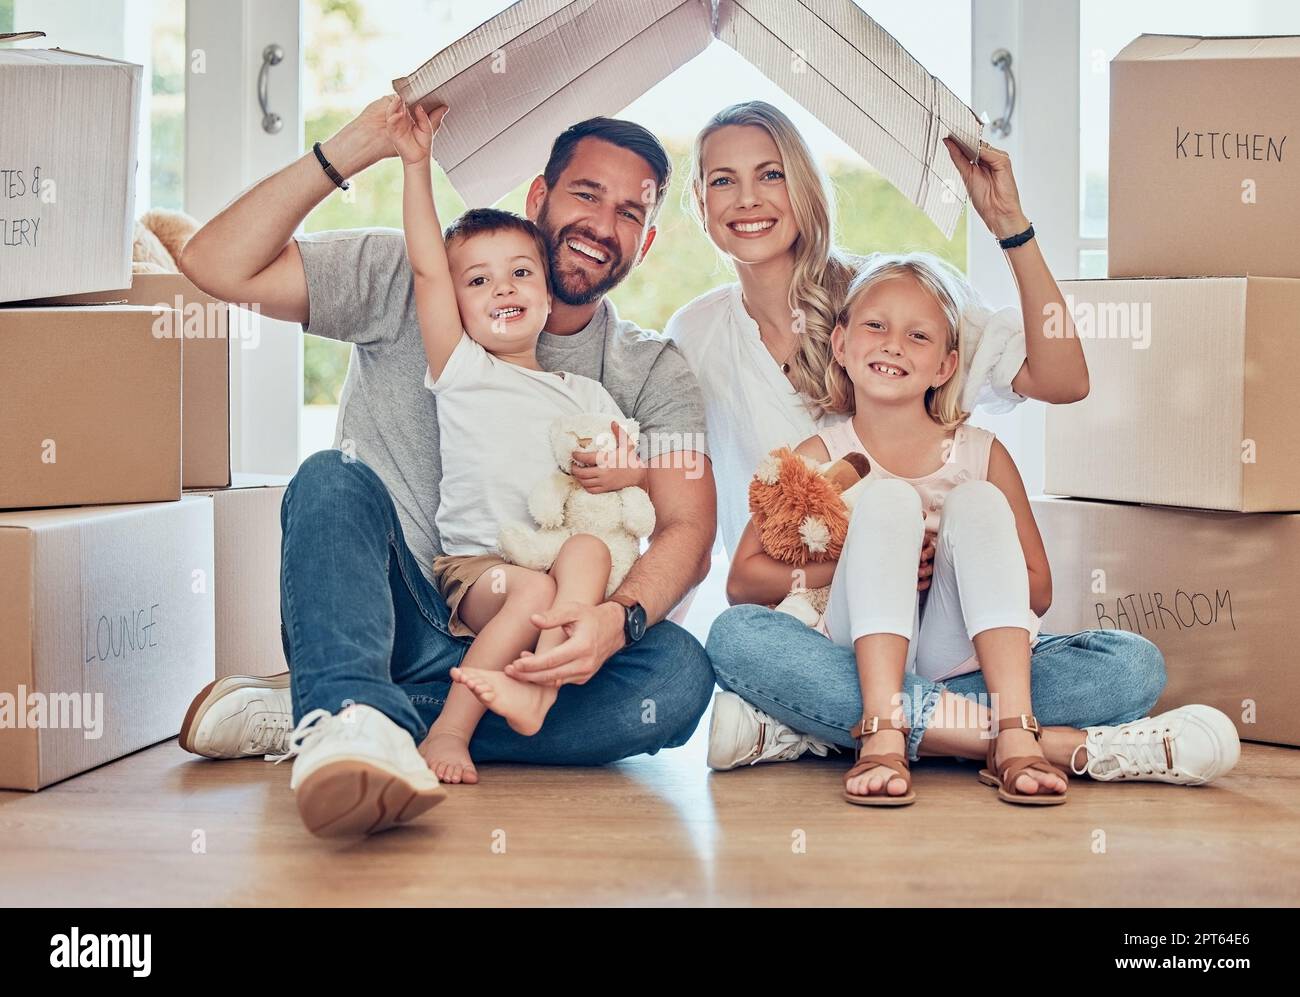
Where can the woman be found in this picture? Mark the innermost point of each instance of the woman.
(760, 348)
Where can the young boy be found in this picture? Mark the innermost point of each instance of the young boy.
(482, 295)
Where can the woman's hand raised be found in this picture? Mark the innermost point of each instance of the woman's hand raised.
(992, 188)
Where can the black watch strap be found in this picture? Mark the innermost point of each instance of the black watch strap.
(634, 620)
(1019, 239)
(329, 169)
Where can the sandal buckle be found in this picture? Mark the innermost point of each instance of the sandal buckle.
(1029, 722)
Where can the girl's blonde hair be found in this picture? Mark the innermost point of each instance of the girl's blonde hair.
(821, 273)
(946, 284)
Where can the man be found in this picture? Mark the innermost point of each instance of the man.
(365, 631)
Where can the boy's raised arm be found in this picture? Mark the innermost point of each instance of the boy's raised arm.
(435, 297)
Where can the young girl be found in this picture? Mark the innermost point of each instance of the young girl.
(482, 297)
(897, 359)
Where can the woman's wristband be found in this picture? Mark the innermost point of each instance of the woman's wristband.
(1019, 239)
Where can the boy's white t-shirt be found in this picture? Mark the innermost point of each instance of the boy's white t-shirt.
(494, 428)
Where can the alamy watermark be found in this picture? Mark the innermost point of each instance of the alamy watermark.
(183, 319)
(35, 710)
(1129, 320)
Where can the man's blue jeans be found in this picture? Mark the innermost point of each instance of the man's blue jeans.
(791, 671)
(362, 624)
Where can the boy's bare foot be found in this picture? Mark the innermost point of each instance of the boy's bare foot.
(448, 757)
(880, 780)
(1014, 742)
(523, 704)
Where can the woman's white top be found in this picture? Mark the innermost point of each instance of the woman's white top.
(750, 408)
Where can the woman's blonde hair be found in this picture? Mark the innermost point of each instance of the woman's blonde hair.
(821, 273)
(946, 284)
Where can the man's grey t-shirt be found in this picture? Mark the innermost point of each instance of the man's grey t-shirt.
(359, 291)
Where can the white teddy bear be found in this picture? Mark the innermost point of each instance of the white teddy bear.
(562, 507)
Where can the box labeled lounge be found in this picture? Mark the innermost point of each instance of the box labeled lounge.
(246, 519)
(106, 631)
(67, 171)
(1205, 157)
(90, 402)
(518, 80)
(205, 324)
(1192, 399)
(1214, 591)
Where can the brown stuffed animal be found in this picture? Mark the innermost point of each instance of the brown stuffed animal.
(800, 511)
(160, 237)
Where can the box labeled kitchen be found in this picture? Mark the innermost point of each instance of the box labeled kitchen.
(1205, 157)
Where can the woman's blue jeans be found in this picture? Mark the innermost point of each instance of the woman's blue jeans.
(791, 671)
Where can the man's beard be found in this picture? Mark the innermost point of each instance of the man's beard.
(574, 286)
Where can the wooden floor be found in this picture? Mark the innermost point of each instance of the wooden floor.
(654, 831)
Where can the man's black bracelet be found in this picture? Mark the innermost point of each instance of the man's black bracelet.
(329, 169)
(1019, 239)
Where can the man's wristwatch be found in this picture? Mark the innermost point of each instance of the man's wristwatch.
(633, 618)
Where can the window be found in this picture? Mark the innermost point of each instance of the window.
(167, 107)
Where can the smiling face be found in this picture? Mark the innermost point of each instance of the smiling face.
(747, 210)
(894, 345)
(596, 219)
(500, 289)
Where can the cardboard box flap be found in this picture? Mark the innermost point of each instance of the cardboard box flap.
(537, 68)
(1152, 47)
(856, 79)
(58, 57)
(517, 81)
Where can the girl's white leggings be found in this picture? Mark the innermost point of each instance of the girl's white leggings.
(980, 580)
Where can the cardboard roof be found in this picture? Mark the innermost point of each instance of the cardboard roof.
(518, 80)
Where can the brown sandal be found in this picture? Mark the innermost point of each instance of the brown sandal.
(892, 761)
(1005, 778)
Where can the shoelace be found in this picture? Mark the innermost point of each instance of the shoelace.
(270, 737)
(311, 726)
(794, 743)
(1137, 750)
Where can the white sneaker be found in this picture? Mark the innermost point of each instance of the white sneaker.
(240, 716)
(740, 734)
(357, 772)
(1189, 746)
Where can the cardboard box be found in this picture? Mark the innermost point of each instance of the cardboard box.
(204, 323)
(1214, 591)
(106, 631)
(67, 171)
(520, 79)
(90, 405)
(1192, 395)
(247, 578)
(1205, 157)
